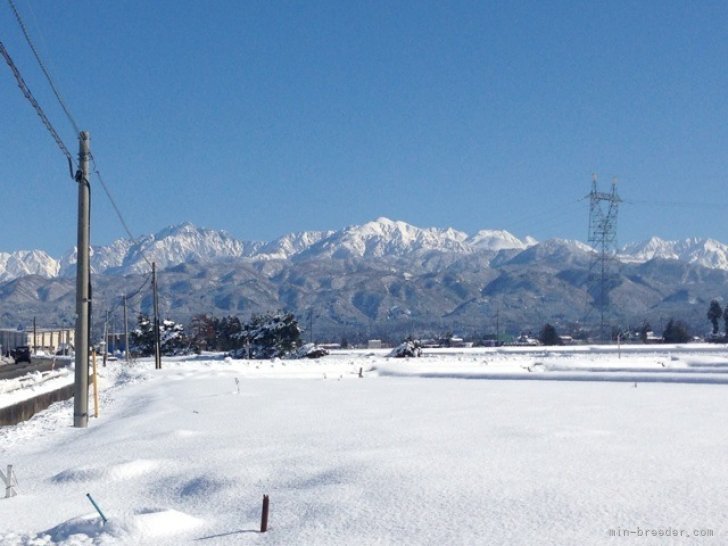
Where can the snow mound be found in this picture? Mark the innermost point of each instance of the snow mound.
(79, 531)
(159, 522)
(117, 472)
(89, 529)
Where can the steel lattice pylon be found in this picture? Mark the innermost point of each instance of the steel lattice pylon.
(603, 209)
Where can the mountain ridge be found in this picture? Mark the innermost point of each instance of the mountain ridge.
(382, 237)
(381, 279)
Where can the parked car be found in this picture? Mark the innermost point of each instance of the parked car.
(22, 354)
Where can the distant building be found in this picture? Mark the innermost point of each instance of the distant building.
(652, 337)
(458, 342)
(374, 344)
(525, 339)
(430, 343)
(49, 340)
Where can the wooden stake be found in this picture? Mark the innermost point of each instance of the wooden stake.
(264, 515)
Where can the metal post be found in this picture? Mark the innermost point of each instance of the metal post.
(103, 517)
(264, 515)
(157, 341)
(35, 338)
(619, 345)
(80, 404)
(10, 482)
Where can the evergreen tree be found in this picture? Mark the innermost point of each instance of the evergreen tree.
(202, 332)
(676, 331)
(269, 335)
(227, 331)
(549, 336)
(725, 319)
(714, 314)
(171, 337)
(142, 339)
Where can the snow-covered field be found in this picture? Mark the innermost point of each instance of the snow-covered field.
(452, 448)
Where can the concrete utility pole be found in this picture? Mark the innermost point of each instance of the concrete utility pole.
(126, 334)
(83, 284)
(497, 324)
(106, 338)
(157, 341)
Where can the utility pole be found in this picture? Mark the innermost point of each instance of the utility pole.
(83, 284)
(497, 324)
(106, 337)
(310, 323)
(35, 337)
(113, 334)
(157, 341)
(126, 334)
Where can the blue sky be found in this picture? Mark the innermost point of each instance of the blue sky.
(263, 118)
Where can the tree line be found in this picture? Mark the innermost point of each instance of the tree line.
(265, 335)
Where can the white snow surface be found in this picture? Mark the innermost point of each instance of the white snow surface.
(462, 446)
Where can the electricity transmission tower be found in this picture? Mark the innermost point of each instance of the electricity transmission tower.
(603, 208)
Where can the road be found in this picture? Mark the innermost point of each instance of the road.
(37, 364)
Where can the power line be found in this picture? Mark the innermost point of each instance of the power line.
(681, 204)
(34, 103)
(555, 215)
(43, 68)
(131, 295)
(116, 208)
(70, 117)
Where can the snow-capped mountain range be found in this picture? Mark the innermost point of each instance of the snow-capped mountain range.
(382, 278)
(27, 262)
(706, 252)
(379, 238)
